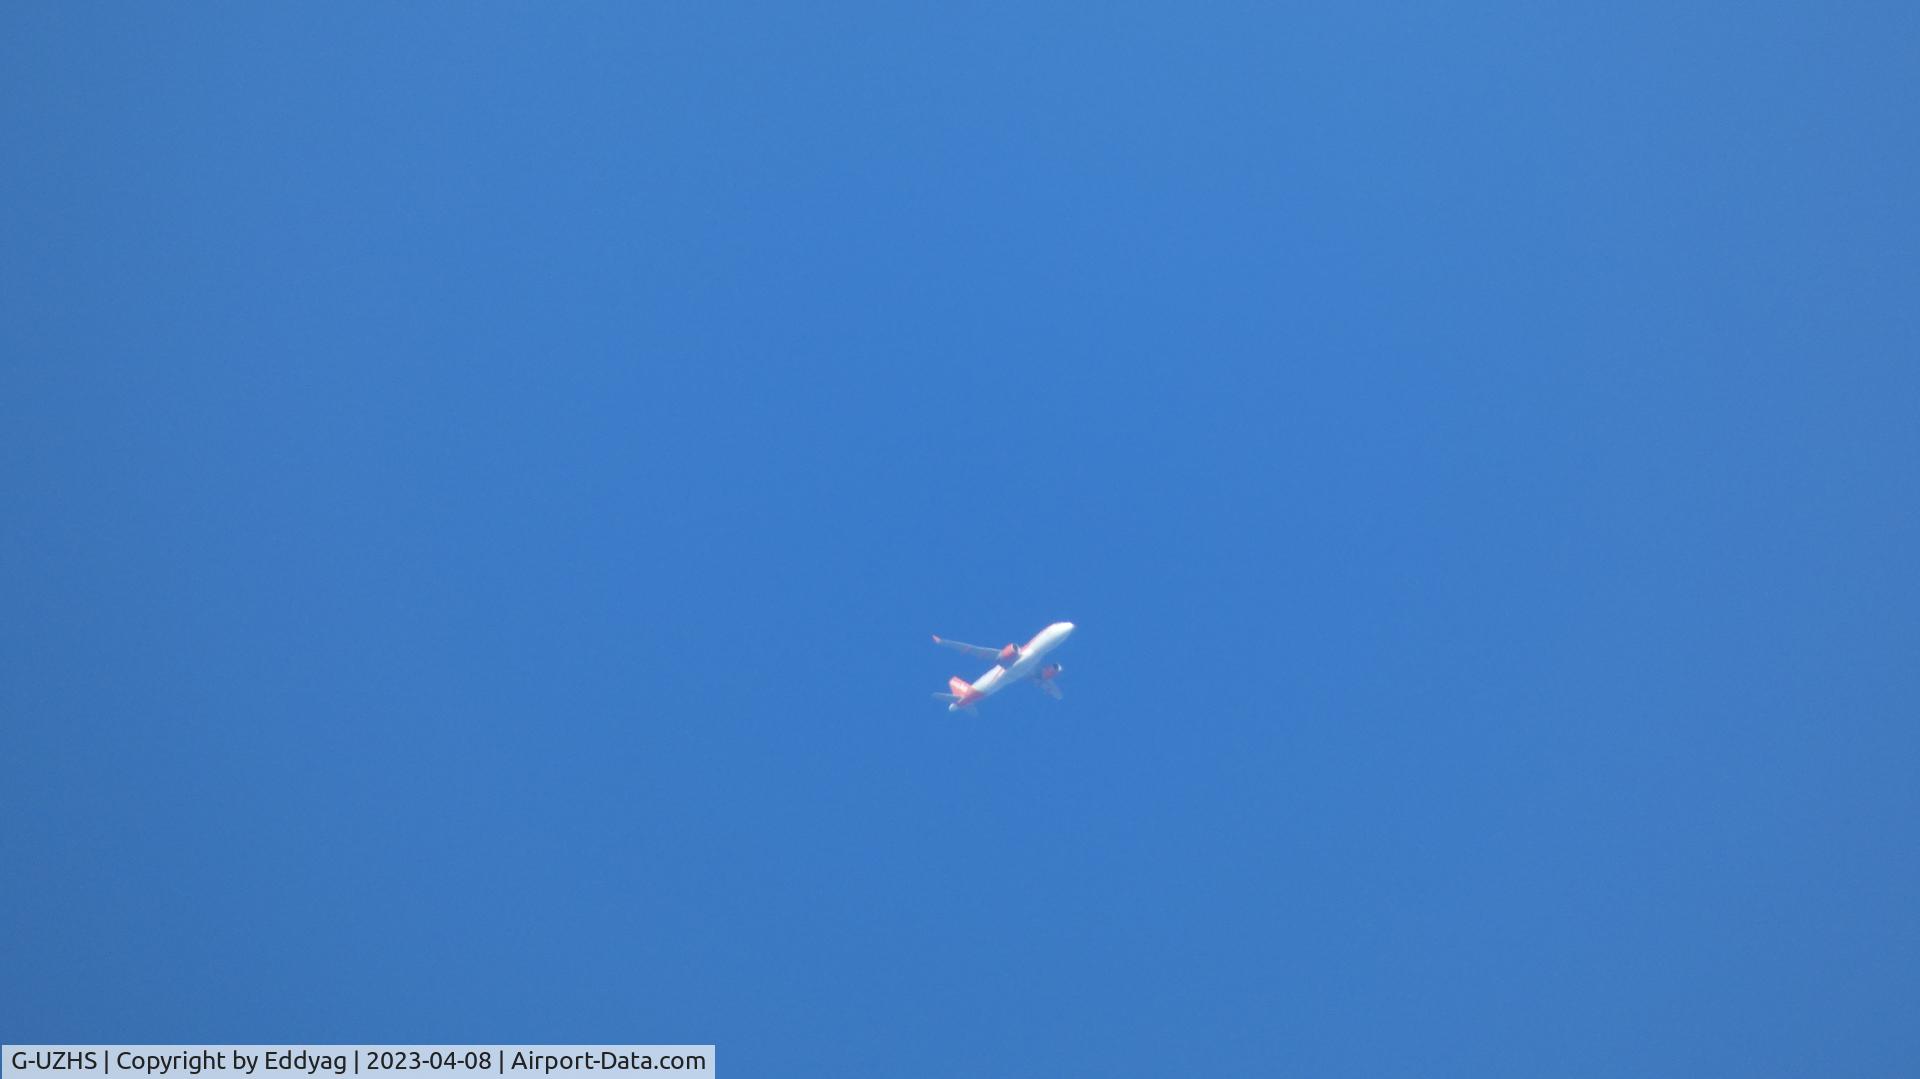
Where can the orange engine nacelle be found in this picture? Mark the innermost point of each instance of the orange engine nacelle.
(1050, 670)
(1009, 654)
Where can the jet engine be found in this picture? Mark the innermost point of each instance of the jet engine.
(1008, 655)
(1050, 670)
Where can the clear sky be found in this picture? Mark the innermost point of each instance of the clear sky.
(479, 480)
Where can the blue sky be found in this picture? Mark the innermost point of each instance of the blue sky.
(480, 481)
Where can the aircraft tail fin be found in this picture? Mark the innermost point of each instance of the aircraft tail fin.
(964, 696)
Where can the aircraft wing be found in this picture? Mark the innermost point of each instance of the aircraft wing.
(1048, 687)
(973, 650)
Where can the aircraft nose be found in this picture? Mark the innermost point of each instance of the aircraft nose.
(1066, 630)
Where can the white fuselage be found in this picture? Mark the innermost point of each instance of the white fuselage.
(1027, 665)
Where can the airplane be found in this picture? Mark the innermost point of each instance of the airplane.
(1012, 664)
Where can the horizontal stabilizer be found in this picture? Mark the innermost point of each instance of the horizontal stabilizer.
(946, 696)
